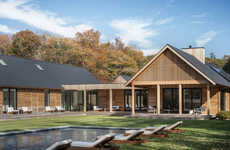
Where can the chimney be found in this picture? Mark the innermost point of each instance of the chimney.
(198, 52)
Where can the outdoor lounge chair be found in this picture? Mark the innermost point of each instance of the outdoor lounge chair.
(11, 110)
(172, 128)
(97, 108)
(156, 132)
(62, 145)
(116, 108)
(26, 110)
(129, 139)
(48, 109)
(99, 143)
(59, 109)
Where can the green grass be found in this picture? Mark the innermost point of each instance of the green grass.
(198, 134)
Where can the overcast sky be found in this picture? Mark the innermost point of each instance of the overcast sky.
(147, 24)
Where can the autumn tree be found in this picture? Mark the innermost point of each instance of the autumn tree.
(4, 44)
(89, 39)
(25, 44)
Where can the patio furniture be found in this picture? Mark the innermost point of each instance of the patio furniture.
(11, 110)
(129, 139)
(26, 110)
(62, 145)
(116, 108)
(59, 109)
(152, 109)
(97, 108)
(48, 109)
(199, 110)
(99, 143)
(170, 128)
(149, 132)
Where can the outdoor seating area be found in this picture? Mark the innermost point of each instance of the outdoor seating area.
(107, 142)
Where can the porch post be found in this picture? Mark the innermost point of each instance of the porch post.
(158, 99)
(208, 99)
(85, 99)
(133, 99)
(180, 99)
(110, 100)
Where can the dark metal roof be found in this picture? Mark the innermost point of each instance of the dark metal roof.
(204, 68)
(21, 72)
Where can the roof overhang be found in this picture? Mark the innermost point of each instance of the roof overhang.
(80, 87)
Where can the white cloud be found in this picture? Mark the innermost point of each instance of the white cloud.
(198, 22)
(23, 11)
(147, 52)
(164, 21)
(205, 38)
(201, 15)
(132, 31)
(6, 29)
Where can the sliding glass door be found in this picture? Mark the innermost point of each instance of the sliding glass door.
(9, 98)
(170, 100)
(192, 98)
(222, 100)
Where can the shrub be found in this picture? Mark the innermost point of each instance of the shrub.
(223, 115)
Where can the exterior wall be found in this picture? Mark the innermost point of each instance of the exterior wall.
(152, 96)
(169, 62)
(228, 101)
(1, 100)
(31, 98)
(118, 99)
(55, 98)
(214, 100)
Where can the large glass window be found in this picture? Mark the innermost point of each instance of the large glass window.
(10, 98)
(170, 100)
(222, 100)
(47, 98)
(141, 100)
(192, 98)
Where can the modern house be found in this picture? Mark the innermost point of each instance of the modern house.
(36, 84)
(174, 81)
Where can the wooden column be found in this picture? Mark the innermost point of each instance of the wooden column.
(133, 100)
(85, 100)
(158, 99)
(180, 99)
(110, 100)
(208, 99)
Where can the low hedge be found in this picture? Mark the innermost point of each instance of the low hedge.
(223, 115)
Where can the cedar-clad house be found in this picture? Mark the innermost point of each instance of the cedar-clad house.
(179, 81)
(36, 84)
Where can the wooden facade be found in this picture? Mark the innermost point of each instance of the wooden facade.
(168, 70)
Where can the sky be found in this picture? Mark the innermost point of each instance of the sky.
(146, 24)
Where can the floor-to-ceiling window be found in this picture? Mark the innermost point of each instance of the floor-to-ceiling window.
(170, 100)
(141, 100)
(9, 98)
(192, 98)
(67, 100)
(222, 100)
(47, 97)
(91, 99)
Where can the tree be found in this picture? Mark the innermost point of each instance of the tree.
(89, 39)
(25, 44)
(4, 44)
(227, 66)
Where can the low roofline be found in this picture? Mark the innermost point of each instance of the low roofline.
(167, 46)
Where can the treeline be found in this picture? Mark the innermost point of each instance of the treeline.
(105, 60)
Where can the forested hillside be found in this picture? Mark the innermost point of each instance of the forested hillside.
(106, 60)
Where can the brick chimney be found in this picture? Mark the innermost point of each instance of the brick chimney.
(198, 52)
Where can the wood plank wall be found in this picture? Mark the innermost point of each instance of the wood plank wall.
(169, 67)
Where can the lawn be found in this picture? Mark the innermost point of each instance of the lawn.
(198, 134)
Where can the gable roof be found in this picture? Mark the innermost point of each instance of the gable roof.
(20, 72)
(203, 69)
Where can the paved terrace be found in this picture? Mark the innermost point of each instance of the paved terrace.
(125, 114)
